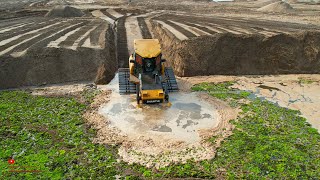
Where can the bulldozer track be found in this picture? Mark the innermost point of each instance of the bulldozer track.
(171, 80)
(125, 86)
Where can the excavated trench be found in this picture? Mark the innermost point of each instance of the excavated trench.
(241, 54)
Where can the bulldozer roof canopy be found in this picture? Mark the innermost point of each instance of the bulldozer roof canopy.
(147, 48)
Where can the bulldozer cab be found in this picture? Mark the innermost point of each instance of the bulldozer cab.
(147, 57)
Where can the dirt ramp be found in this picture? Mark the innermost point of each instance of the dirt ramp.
(64, 11)
(232, 54)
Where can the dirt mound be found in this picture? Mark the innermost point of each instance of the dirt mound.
(262, 3)
(230, 54)
(291, 1)
(281, 6)
(64, 11)
(49, 65)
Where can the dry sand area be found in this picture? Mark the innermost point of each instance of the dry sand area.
(298, 92)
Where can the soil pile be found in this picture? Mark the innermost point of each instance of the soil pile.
(64, 11)
(262, 3)
(231, 54)
(292, 1)
(47, 65)
(281, 7)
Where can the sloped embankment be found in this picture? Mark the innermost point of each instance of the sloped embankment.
(41, 64)
(242, 54)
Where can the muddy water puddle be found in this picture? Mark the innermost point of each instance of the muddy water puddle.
(180, 121)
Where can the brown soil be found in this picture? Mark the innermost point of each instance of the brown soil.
(43, 65)
(64, 11)
(103, 75)
(281, 6)
(262, 3)
(232, 54)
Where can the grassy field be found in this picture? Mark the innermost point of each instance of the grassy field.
(49, 134)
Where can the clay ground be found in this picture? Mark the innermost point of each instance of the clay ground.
(197, 38)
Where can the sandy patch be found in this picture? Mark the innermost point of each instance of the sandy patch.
(158, 135)
(285, 90)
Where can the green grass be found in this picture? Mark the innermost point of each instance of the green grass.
(49, 134)
(269, 142)
(305, 80)
(221, 90)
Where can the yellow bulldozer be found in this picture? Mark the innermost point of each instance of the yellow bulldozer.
(147, 75)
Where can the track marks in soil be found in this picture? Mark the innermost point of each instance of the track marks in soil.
(114, 13)
(54, 33)
(180, 29)
(194, 25)
(101, 15)
(144, 28)
(133, 31)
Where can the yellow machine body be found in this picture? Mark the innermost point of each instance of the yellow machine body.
(147, 75)
(147, 48)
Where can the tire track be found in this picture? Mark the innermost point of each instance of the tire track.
(205, 29)
(72, 38)
(105, 12)
(57, 42)
(81, 39)
(133, 32)
(175, 32)
(144, 28)
(221, 23)
(225, 28)
(44, 42)
(195, 31)
(96, 35)
(114, 13)
(99, 14)
(3, 30)
(8, 44)
(180, 29)
(20, 31)
(22, 48)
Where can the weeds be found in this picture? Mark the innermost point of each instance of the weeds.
(305, 80)
(269, 142)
